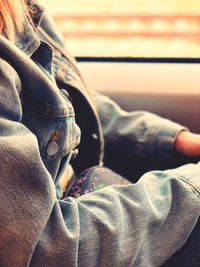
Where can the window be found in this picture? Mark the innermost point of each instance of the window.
(129, 28)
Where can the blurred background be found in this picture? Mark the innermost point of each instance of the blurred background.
(129, 28)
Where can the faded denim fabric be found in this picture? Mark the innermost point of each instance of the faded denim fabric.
(140, 224)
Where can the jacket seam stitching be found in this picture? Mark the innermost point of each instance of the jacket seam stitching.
(191, 184)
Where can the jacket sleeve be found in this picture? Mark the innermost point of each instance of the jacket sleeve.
(116, 226)
(137, 139)
(141, 224)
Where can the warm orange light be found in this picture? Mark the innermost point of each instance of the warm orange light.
(139, 28)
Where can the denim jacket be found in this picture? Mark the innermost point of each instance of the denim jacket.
(141, 224)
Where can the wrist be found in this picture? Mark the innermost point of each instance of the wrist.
(187, 144)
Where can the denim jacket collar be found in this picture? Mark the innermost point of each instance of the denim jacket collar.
(37, 12)
(27, 41)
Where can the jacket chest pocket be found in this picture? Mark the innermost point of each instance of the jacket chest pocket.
(54, 126)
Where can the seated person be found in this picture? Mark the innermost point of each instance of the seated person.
(46, 114)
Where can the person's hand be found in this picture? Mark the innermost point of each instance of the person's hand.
(188, 144)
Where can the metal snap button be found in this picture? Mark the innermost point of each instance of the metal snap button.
(94, 136)
(35, 10)
(65, 92)
(52, 148)
(74, 153)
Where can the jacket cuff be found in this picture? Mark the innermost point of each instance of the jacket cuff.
(189, 173)
(165, 138)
